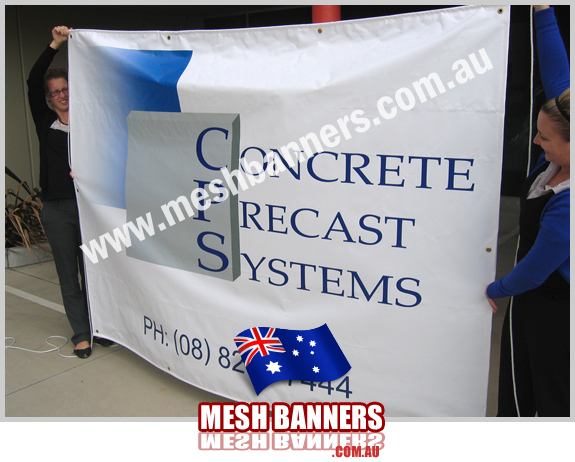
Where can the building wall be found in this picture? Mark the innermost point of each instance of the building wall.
(17, 136)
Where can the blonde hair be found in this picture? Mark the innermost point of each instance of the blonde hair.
(559, 111)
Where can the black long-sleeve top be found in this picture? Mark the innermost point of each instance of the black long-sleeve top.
(55, 179)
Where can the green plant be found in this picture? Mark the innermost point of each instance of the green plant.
(23, 219)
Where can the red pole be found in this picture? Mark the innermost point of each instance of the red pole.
(326, 13)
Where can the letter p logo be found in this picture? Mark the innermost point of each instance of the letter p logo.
(172, 159)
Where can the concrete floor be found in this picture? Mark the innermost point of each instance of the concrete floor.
(115, 382)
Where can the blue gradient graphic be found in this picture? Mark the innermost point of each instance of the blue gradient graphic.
(132, 80)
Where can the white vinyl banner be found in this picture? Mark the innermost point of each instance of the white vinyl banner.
(345, 174)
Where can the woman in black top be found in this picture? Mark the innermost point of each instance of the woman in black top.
(48, 98)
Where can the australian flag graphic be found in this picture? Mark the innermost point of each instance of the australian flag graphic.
(272, 355)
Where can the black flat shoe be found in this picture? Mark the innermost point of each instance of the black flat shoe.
(104, 342)
(84, 353)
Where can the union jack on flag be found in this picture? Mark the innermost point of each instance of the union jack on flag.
(284, 354)
(258, 344)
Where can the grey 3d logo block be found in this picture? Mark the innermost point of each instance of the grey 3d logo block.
(172, 173)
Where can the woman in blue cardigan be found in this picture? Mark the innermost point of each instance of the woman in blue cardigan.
(534, 367)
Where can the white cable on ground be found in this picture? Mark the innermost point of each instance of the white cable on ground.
(56, 347)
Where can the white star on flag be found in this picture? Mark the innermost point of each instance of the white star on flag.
(274, 367)
(312, 343)
(295, 353)
(316, 369)
(299, 338)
